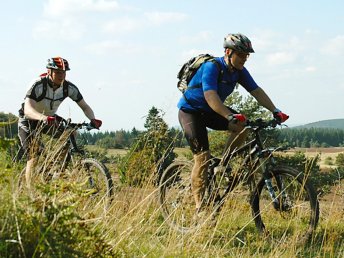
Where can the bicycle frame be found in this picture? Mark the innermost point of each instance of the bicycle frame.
(255, 157)
(271, 187)
(70, 144)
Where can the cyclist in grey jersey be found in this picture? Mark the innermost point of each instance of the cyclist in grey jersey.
(42, 101)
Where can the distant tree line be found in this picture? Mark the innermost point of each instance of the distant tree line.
(311, 137)
(123, 139)
(290, 137)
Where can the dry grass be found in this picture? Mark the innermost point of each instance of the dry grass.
(322, 152)
(134, 227)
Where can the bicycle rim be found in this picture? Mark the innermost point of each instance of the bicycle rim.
(294, 212)
(94, 184)
(175, 196)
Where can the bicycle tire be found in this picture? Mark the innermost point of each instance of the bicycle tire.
(175, 196)
(294, 213)
(96, 184)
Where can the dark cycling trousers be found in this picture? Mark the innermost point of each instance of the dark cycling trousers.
(195, 126)
(28, 132)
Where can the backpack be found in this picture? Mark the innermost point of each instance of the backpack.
(190, 68)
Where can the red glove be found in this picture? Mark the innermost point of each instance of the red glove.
(96, 123)
(236, 117)
(280, 116)
(51, 120)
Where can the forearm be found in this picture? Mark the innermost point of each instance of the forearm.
(31, 113)
(216, 104)
(89, 113)
(86, 109)
(263, 99)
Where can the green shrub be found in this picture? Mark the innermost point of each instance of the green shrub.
(150, 154)
(328, 161)
(48, 225)
(340, 160)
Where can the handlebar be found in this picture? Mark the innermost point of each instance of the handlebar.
(67, 124)
(259, 123)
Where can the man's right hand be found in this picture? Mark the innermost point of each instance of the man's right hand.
(51, 120)
(234, 118)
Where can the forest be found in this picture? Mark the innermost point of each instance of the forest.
(304, 137)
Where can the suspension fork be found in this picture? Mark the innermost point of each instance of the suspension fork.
(267, 163)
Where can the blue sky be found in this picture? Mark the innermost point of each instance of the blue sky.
(124, 55)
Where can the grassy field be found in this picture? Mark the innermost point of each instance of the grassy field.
(53, 225)
(324, 154)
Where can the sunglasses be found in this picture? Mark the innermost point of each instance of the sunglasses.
(242, 55)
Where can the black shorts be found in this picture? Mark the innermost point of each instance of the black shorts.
(29, 132)
(195, 126)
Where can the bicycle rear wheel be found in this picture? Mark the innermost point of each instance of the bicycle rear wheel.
(293, 211)
(175, 196)
(95, 185)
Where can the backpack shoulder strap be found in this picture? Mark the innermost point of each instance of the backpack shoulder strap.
(65, 89)
(219, 67)
(44, 91)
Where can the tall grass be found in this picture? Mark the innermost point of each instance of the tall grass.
(53, 224)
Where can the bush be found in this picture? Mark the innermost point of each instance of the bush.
(150, 154)
(340, 160)
(48, 225)
(328, 161)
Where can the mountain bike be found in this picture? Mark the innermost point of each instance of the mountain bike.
(282, 199)
(64, 159)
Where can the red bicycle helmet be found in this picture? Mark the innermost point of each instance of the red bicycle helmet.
(58, 63)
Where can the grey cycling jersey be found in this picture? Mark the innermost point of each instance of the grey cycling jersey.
(52, 99)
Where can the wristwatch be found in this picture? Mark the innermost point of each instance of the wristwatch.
(230, 117)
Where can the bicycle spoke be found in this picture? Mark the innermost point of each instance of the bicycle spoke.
(176, 198)
(94, 184)
(294, 211)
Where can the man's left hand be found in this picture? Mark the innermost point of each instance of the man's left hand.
(280, 116)
(96, 123)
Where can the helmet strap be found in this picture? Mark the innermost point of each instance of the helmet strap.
(230, 66)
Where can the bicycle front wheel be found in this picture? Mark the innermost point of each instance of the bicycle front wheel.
(95, 185)
(285, 205)
(175, 196)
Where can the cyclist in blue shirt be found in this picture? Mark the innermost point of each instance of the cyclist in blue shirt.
(202, 106)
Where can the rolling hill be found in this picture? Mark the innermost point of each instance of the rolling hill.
(331, 123)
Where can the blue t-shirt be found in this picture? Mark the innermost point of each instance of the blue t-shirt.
(207, 76)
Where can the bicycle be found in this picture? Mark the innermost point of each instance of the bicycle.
(282, 199)
(64, 159)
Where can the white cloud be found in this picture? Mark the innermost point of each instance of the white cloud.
(201, 36)
(122, 25)
(66, 29)
(107, 47)
(67, 19)
(58, 8)
(159, 18)
(264, 40)
(311, 69)
(335, 46)
(280, 58)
